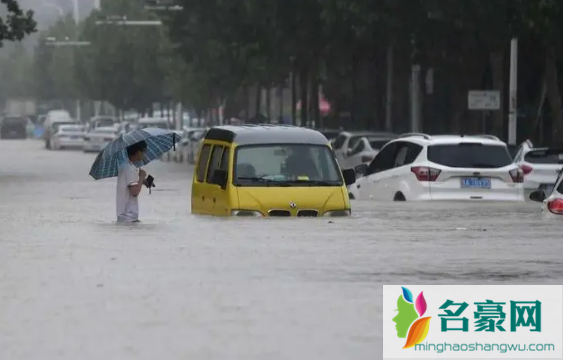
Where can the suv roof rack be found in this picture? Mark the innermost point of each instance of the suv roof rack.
(425, 136)
(486, 136)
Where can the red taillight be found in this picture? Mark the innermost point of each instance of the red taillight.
(555, 206)
(517, 175)
(526, 169)
(366, 159)
(425, 173)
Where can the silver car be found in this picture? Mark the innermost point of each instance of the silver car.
(96, 140)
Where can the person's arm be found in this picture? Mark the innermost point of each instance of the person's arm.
(135, 182)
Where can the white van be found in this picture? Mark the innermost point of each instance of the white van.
(54, 119)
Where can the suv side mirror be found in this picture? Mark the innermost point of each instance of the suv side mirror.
(349, 176)
(361, 169)
(219, 177)
(538, 195)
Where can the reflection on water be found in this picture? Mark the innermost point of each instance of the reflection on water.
(262, 288)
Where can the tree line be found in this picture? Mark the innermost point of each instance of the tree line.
(218, 53)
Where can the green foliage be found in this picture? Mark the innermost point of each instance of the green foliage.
(53, 66)
(15, 24)
(123, 64)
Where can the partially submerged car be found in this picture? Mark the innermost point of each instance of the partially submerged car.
(269, 171)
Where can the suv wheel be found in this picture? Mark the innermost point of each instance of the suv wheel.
(399, 197)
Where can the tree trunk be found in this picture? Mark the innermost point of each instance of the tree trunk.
(293, 99)
(269, 104)
(248, 102)
(553, 95)
(280, 99)
(497, 70)
(315, 112)
(303, 80)
(258, 103)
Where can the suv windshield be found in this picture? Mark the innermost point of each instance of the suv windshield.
(470, 155)
(286, 165)
(550, 156)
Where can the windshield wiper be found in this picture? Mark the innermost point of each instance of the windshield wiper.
(312, 182)
(261, 180)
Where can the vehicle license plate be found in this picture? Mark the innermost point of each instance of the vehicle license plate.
(476, 183)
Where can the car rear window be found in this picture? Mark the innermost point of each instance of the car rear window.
(105, 132)
(72, 128)
(549, 156)
(470, 155)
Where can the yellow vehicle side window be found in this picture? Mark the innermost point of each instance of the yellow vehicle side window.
(202, 164)
(216, 155)
(225, 160)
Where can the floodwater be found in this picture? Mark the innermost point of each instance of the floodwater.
(74, 285)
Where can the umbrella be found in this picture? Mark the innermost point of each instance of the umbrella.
(159, 141)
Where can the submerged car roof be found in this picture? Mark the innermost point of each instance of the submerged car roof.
(266, 134)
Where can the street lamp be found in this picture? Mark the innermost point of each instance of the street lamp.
(123, 21)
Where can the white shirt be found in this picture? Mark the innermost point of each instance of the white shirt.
(127, 204)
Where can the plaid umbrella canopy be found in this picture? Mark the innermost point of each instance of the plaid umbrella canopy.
(159, 141)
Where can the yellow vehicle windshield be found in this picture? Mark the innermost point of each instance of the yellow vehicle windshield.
(285, 165)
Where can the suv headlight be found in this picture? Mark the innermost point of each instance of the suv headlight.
(337, 213)
(246, 213)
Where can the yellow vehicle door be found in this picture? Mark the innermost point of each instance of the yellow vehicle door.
(219, 197)
(200, 189)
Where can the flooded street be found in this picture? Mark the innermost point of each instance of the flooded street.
(74, 285)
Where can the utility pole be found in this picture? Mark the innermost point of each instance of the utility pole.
(513, 111)
(389, 90)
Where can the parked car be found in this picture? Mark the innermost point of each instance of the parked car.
(365, 150)
(96, 140)
(346, 141)
(101, 121)
(146, 122)
(13, 127)
(540, 166)
(53, 120)
(330, 134)
(418, 167)
(269, 171)
(191, 144)
(173, 153)
(552, 202)
(68, 136)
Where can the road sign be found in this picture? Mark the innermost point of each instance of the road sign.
(483, 100)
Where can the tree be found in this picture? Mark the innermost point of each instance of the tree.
(123, 63)
(54, 66)
(15, 24)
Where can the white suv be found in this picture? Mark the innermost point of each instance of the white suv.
(540, 166)
(416, 167)
(552, 203)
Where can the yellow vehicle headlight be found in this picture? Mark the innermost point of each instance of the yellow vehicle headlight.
(337, 213)
(246, 213)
